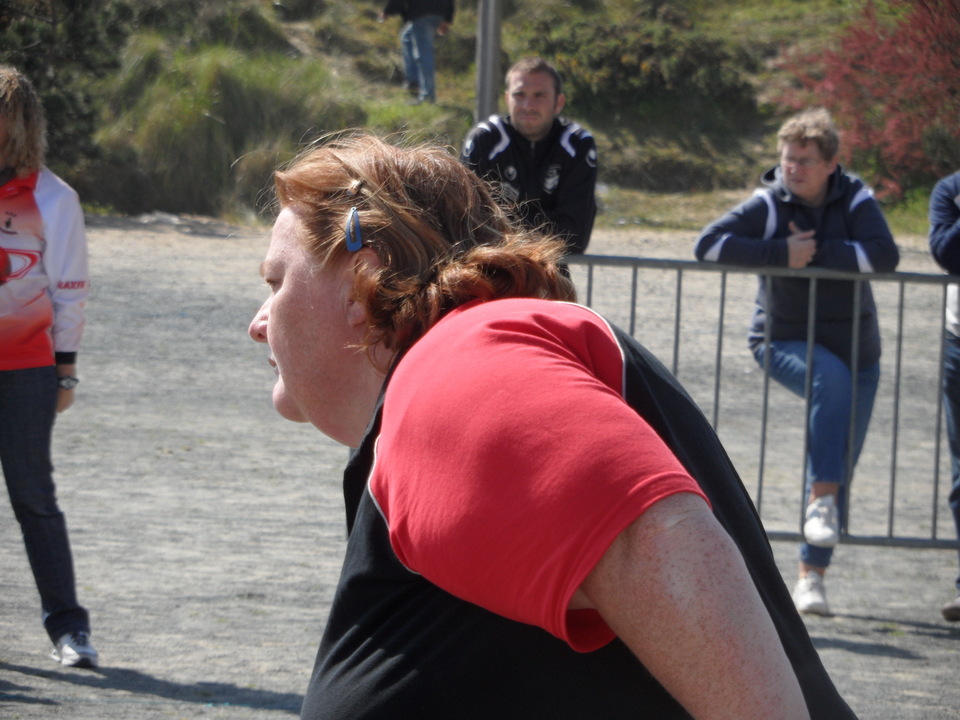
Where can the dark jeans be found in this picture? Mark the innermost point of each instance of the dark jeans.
(416, 42)
(951, 404)
(28, 407)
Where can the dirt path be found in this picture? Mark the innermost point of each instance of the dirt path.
(207, 531)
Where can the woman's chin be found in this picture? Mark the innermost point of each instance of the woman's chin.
(287, 409)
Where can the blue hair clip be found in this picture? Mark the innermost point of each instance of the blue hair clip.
(352, 231)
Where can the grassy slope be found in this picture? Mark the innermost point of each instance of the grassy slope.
(359, 58)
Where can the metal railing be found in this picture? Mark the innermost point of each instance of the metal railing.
(679, 310)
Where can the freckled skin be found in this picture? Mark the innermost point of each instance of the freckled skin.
(675, 589)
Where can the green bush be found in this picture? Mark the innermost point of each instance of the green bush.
(169, 16)
(243, 27)
(659, 76)
(144, 61)
(433, 123)
(210, 110)
(666, 166)
(294, 10)
(252, 178)
(62, 47)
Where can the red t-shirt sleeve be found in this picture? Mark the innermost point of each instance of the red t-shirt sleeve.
(508, 461)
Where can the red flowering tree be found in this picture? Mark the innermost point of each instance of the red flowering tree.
(891, 79)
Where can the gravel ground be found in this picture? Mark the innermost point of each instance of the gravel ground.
(207, 531)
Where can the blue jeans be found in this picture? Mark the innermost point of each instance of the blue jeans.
(28, 408)
(416, 41)
(829, 419)
(951, 406)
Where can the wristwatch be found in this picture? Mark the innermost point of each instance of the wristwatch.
(67, 382)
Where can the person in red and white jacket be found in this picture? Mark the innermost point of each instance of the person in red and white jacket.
(45, 281)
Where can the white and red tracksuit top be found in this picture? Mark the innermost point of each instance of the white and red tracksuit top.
(42, 302)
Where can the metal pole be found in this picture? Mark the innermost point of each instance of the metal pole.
(488, 58)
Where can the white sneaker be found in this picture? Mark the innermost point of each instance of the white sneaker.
(810, 596)
(75, 650)
(820, 526)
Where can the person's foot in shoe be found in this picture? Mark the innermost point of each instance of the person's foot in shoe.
(951, 611)
(810, 595)
(75, 650)
(820, 526)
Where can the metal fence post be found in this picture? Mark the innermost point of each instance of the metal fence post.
(488, 58)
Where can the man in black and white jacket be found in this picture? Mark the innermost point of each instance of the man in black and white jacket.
(545, 165)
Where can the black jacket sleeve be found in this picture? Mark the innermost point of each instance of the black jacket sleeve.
(945, 224)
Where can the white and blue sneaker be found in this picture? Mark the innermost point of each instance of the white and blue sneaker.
(75, 650)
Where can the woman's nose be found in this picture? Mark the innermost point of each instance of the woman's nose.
(258, 326)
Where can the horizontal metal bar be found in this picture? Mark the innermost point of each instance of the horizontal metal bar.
(880, 540)
(807, 272)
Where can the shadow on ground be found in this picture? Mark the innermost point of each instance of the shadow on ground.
(138, 683)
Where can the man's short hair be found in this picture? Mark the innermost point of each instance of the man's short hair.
(814, 125)
(535, 65)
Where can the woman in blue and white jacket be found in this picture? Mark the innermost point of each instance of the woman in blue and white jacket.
(810, 213)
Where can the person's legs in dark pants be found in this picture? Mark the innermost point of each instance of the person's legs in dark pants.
(27, 412)
(411, 72)
(423, 30)
(951, 406)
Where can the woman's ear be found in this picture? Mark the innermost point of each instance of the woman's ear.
(356, 312)
(362, 262)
